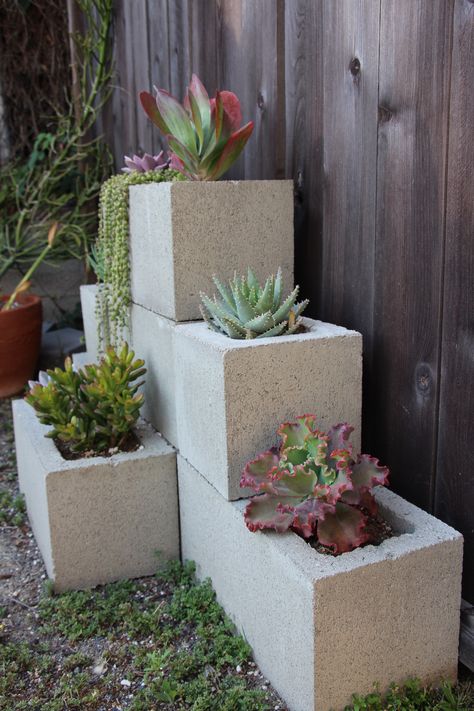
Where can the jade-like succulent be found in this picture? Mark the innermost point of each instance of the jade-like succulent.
(314, 485)
(247, 310)
(146, 163)
(94, 408)
(204, 135)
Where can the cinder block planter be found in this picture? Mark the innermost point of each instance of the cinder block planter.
(88, 305)
(322, 627)
(182, 233)
(153, 339)
(232, 394)
(99, 519)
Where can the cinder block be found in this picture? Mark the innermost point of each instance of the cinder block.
(231, 395)
(184, 232)
(324, 627)
(153, 339)
(88, 305)
(97, 519)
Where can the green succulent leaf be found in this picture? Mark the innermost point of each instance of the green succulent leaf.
(250, 308)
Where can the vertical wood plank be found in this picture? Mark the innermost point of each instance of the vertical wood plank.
(141, 72)
(251, 63)
(415, 43)
(113, 125)
(159, 62)
(204, 42)
(125, 66)
(179, 46)
(350, 101)
(304, 138)
(454, 501)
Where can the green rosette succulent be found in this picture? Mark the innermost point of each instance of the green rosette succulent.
(247, 310)
(314, 485)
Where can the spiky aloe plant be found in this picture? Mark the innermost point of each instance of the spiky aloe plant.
(204, 135)
(314, 485)
(247, 310)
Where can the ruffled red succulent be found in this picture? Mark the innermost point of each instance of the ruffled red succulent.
(314, 485)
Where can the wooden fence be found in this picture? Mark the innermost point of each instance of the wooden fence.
(369, 106)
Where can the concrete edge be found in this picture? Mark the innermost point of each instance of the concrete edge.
(152, 444)
(319, 330)
(420, 530)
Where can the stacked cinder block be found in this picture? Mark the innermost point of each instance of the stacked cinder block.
(379, 614)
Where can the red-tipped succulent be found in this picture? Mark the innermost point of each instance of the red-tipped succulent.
(314, 485)
(204, 135)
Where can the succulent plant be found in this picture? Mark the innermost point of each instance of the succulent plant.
(94, 408)
(247, 310)
(314, 485)
(145, 163)
(204, 135)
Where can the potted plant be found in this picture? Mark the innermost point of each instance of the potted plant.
(253, 360)
(100, 486)
(336, 582)
(183, 232)
(21, 318)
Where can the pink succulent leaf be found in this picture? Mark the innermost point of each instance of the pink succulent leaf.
(198, 91)
(149, 106)
(175, 118)
(188, 158)
(267, 512)
(187, 105)
(148, 162)
(343, 530)
(367, 473)
(342, 481)
(307, 515)
(177, 164)
(232, 110)
(231, 152)
(361, 498)
(145, 163)
(218, 115)
(256, 472)
(293, 434)
(196, 116)
(338, 437)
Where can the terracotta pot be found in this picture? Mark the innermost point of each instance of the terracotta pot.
(20, 340)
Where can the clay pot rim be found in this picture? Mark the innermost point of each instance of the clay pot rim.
(25, 301)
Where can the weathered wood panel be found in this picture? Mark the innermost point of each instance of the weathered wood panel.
(304, 138)
(414, 73)
(350, 101)
(356, 100)
(455, 475)
(159, 54)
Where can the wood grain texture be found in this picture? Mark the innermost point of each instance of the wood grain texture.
(139, 24)
(304, 139)
(357, 102)
(159, 59)
(179, 46)
(414, 74)
(249, 34)
(454, 500)
(350, 110)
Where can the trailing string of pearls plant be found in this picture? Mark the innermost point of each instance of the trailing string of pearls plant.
(112, 252)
